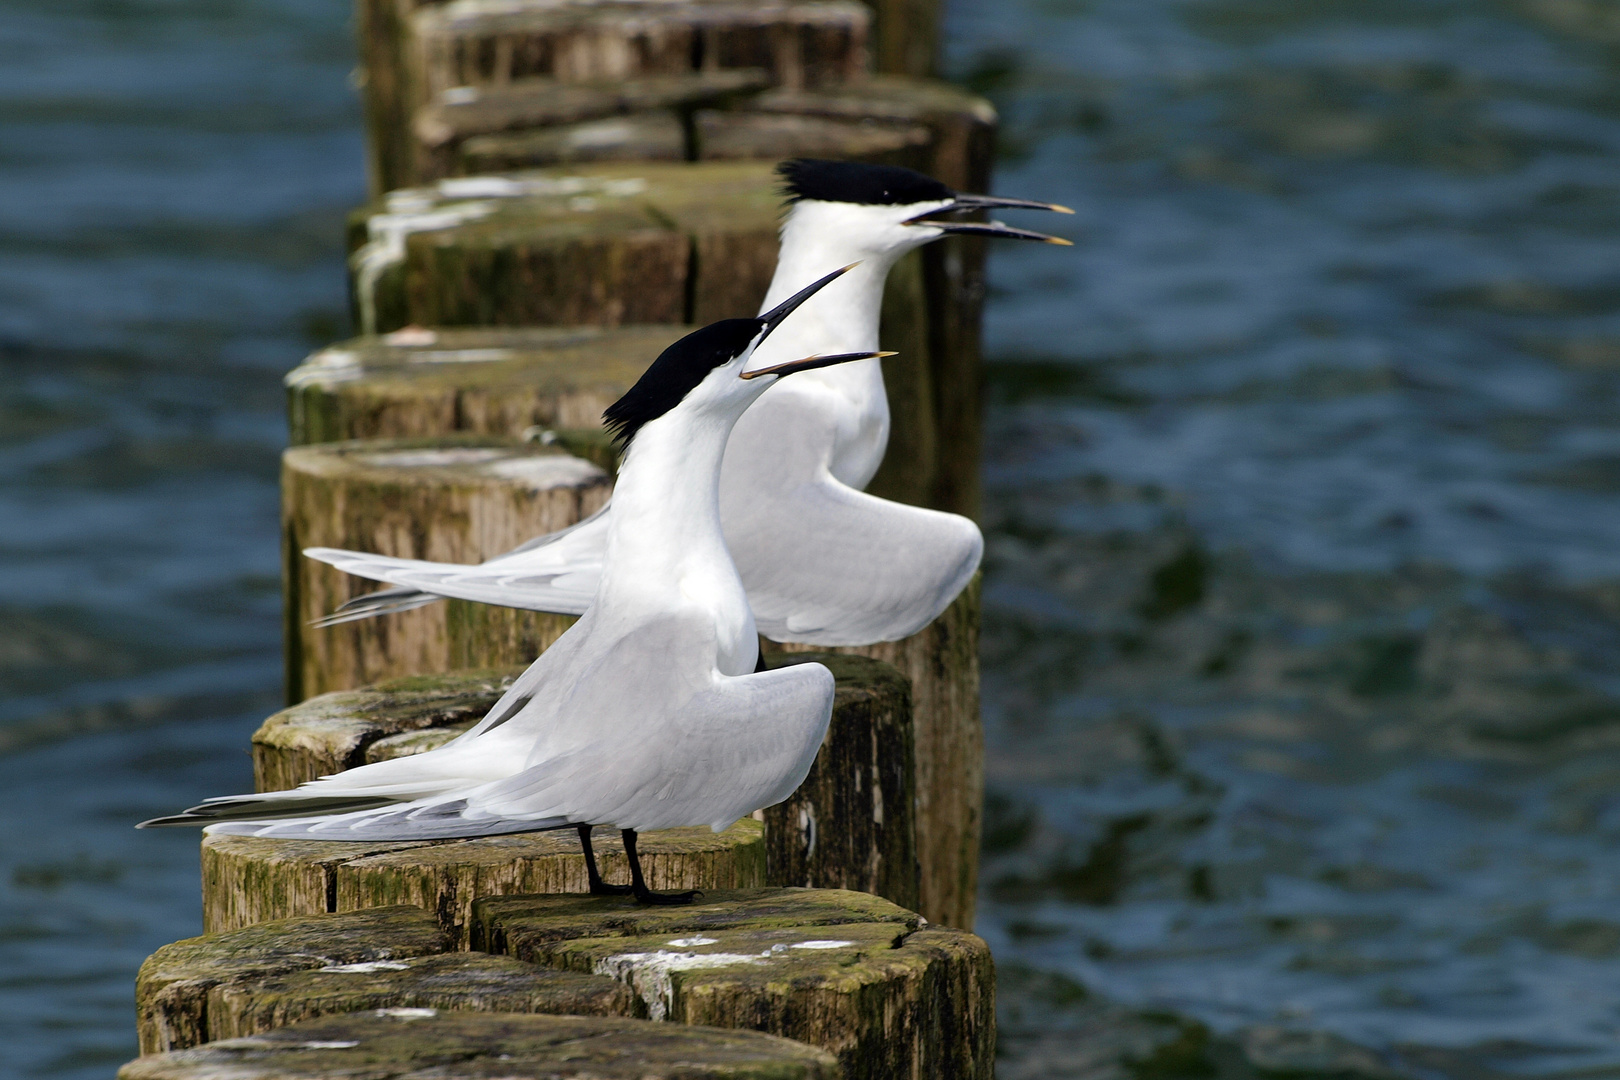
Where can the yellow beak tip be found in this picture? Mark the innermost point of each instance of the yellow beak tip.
(1059, 240)
(1061, 209)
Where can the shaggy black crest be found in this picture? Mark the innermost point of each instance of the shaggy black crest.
(675, 373)
(852, 182)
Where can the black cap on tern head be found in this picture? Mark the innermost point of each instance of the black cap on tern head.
(675, 373)
(853, 182)
(681, 367)
(811, 179)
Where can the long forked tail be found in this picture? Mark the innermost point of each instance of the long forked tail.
(275, 804)
(381, 602)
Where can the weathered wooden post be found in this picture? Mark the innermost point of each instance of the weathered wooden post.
(421, 1042)
(478, 380)
(853, 974)
(249, 880)
(458, 500)
(249, 980)
(416, 54)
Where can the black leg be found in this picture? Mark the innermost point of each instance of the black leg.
(598, 886)
(638, 884)
(759, 665)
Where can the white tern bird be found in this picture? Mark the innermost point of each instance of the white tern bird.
(648, 713)
(823, 562)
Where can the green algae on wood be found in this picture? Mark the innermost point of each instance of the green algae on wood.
(250, 980)
(173, 987)
(942, 663)
(604, 245)
(886, 995)
(526, 926)
(451, 499)
(460, 981)
(388, 1043)
(253, 879)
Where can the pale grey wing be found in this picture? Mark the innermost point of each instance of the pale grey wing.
(557, 572)
(737, 745)
(443, 819)
(827, 565)
(658, 754)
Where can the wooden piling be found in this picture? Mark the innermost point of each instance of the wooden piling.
(245, 981)
(416, 54)
(474, 380)
(455, 500)
(726, 116)
(852, 974)
(403, 1042)
(851, 825)
(248, 880)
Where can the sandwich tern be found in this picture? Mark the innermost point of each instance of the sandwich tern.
(823, 562)
(649, 712)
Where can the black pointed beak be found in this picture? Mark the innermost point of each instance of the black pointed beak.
(985, 202)
(773, 318)
(990, 228)
(810, 362)
(996, 228)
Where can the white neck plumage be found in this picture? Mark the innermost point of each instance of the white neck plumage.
(817, 238)
(665, 550)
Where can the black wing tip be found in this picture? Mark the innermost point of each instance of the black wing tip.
(174, 820)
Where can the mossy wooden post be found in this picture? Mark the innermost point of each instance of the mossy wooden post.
(248, 880)
(942, 662)
(222, 986)
(455, 500)
(602, 245)
(853, 974)
(851, 824)
(402, 1042)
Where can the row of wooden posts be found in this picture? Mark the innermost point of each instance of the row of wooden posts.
(561, 190)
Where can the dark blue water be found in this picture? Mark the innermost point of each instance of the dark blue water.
(1303, 621)
(173, 177)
